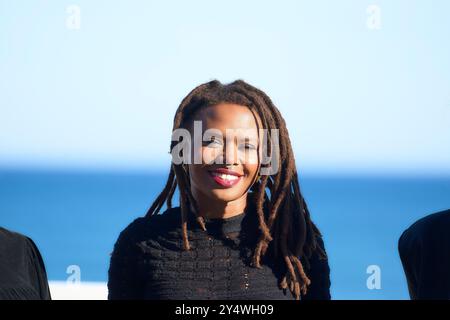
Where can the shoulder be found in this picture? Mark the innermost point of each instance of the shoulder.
(21, 253)
(11, 236)
(318, 272)
(316, 259)
(15, 242)
(429, 228)
(432, 221)
(319, 256)
(148, 228)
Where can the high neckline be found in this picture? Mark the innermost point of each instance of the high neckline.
(225, 225)
(243, 222)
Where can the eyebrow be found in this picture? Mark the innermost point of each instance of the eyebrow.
(240, 138)
(247, 135)
(246, 139)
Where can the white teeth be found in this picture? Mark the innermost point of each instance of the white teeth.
(225, 176)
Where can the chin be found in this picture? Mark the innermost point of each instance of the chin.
(225, 195)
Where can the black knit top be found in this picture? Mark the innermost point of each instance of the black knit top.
(148, 262)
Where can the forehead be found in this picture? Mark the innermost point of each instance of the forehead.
(228, 116)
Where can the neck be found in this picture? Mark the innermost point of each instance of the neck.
(217, 209)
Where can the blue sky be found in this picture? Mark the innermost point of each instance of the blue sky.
(104, 95)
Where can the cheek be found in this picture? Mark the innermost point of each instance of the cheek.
(249, 158)
(251, 170)
(199, 176)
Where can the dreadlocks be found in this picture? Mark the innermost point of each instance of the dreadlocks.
(287, 221)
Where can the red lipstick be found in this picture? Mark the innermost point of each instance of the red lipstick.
(225, 177)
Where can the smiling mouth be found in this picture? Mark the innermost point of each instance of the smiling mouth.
(225, 180)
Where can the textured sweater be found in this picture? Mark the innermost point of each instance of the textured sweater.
(148, 262)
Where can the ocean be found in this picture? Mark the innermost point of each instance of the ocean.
(75, 217)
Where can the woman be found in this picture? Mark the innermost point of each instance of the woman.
(229, 238)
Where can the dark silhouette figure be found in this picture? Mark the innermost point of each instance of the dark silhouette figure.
(22, 270)
(424, 250)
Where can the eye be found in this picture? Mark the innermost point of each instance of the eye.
(250, 146)
(212, 141)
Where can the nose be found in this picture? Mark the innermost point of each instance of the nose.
(230, 153)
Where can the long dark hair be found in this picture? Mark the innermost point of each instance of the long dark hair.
(288, 221)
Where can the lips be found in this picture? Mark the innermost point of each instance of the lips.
(225, 177)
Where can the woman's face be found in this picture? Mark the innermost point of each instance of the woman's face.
(231, 143)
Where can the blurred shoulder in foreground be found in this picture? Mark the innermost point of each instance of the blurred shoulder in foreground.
(424, 250)
(22, 270)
